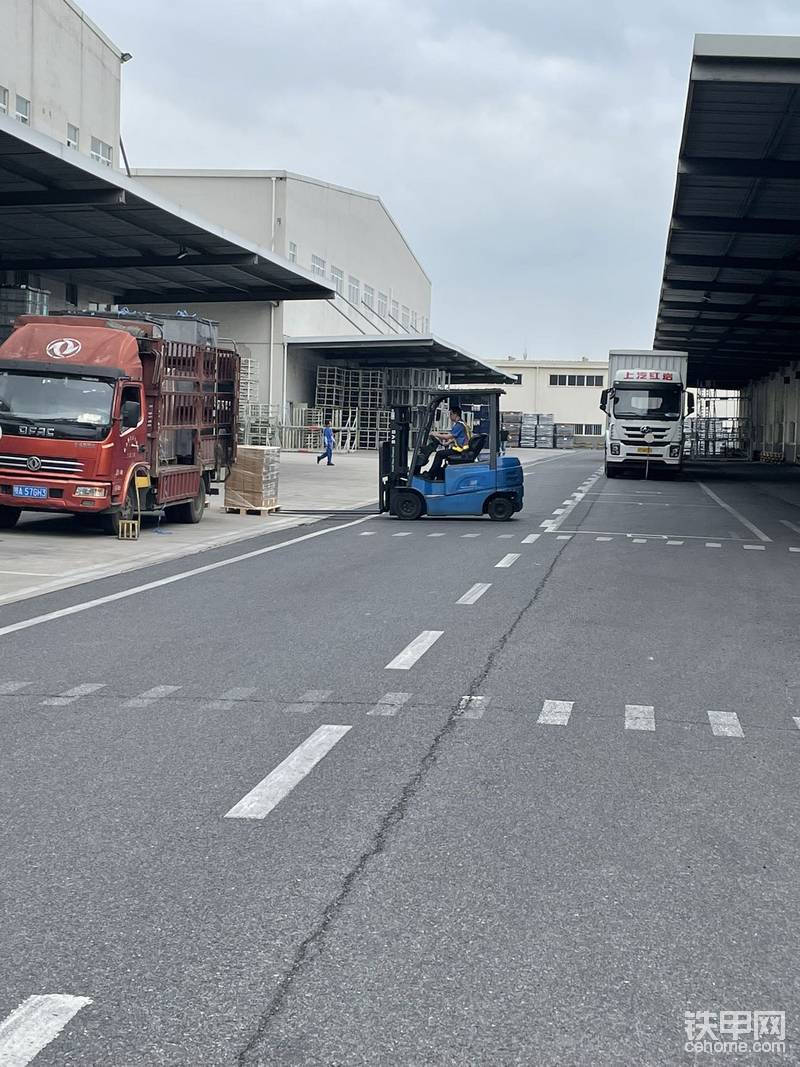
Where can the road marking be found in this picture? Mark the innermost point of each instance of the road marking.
(34, 1024)
(755, 548)
(309, 701)
(406, 533)
(150, 696)
(390, 704)
(564, 537)
(367, 533)
(640, 540)
(559, 511)
(504, 537)
(411, 653)
(260, 801)
(231, 697)
(794, 549)
(792, 526)
(508, 560)
(69, 696)
(474, 593)
(713, 544)
(471, 535)
(556, 712)
(736, 514)
(639, 717)
(530, 539)
(6, 688)
(471, 707)
(604, 538)
(675, 542)
(86, 605)
(35, 574)
(796, 721)
(436, 535)
(725, 724)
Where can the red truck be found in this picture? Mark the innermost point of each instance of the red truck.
(105, 417)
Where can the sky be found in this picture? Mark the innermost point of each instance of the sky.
(526, 148)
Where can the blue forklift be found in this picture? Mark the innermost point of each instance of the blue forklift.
(476, 482)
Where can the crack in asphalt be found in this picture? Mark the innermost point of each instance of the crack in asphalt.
(312, 944)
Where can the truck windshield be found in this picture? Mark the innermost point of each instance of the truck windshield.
(55, 405)
(647, 402)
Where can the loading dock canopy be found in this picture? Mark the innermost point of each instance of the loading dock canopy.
(64, 215)
(402, 352)
(731, 286)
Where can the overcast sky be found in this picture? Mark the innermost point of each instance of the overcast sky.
(526, 147)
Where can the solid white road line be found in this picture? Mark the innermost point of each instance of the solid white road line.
(792, 526)
(260, 801)
(474, 593)
(150, 696)
(34, 1024)
(390, 704)
(69, 696)
(639, 717)
(309, 701)
(713, 544)
(556, 712)
(471, 707)
(411, 653)
(530, 539)
(86, 605)
(231, 698)
(755, 548)
(725, 724)
(736, 514)
(6, 688)
(509, 560)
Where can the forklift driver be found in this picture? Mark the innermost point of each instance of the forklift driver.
(454, 442)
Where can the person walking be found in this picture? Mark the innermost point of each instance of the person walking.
(327, 441)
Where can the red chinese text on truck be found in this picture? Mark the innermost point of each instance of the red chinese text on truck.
(104, 416)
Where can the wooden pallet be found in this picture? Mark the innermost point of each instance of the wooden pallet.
(268, 509)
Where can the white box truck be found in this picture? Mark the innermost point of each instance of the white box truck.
(646, 403)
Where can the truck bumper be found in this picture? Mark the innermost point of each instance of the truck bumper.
(61, 495)
(630, 458)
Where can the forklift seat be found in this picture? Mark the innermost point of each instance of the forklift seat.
(474, 449)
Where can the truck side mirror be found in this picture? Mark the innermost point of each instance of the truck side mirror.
(604, 400)
(690, 403)
(130, 414)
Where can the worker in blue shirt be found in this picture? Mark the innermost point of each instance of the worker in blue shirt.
(327, 441)
(455, 442)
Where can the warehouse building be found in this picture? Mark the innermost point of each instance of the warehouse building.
(568, 390)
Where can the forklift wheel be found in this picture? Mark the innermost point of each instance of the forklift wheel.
(500, 508)
(408, 506)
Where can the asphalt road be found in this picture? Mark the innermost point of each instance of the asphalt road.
(569, 821)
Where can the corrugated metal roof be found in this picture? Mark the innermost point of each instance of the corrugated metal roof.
(731, 287)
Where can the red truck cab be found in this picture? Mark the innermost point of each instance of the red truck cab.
(103, 416)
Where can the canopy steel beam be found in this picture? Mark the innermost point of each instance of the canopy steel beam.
(213, 295)
(746, 308)
(694, 286)
(732, 262)
(724, 167)
(725, 224)
(142, 262)
(64, 198)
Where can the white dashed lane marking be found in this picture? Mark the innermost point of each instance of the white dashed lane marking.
(474, 593)
(472, 707)
(509, 560)
(34, 1024)
(676, 542)
(791, 526)
(309, 701)
(7, 688)
(555, 712)
(69, 696)
(725, 724)
(639, 717)
(755, 548)
(406, 533)
(436, 535)
(390, 704)
(713, 544)
(406, 659)
(471, 535)
(269, 792)
(530, 539)
(151, 696)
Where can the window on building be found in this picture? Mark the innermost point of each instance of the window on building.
(396, 310)
(337, 277)
(383, 304)
(3, 100)
(578, 429)
(517, 378)
(571, 379)
(318, 266)
(102, 152)
(594, 379)
(353, 290)
(405, 316)
(580, 379)
(414, 322)
(23, 110)
(292, 252)
(369, 296)
(73, 136)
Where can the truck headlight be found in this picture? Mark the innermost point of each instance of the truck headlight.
(614, 448)
(95, 491)
(674, 451)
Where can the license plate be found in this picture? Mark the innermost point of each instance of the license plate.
(644, 451)
(29, 492)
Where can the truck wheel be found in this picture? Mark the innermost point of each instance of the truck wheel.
(192, 510)
(500, 508)
(610, 472)
(110, 521)
(408, 506)
(9, 517)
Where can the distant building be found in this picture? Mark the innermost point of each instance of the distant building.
(345, 237)
(568, 390)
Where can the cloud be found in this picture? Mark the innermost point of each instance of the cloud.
(526, 147)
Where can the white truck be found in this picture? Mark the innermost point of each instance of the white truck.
(646, 403)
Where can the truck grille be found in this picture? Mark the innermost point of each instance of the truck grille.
(635, 436)
(47, 465)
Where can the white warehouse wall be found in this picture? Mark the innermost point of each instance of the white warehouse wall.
(775, 412)
(54, 56)
(576, 404)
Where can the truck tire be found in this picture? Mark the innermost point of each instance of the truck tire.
(408, 506)
(192, 511)
(500, 508)
(9, 517)
(109, 522)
